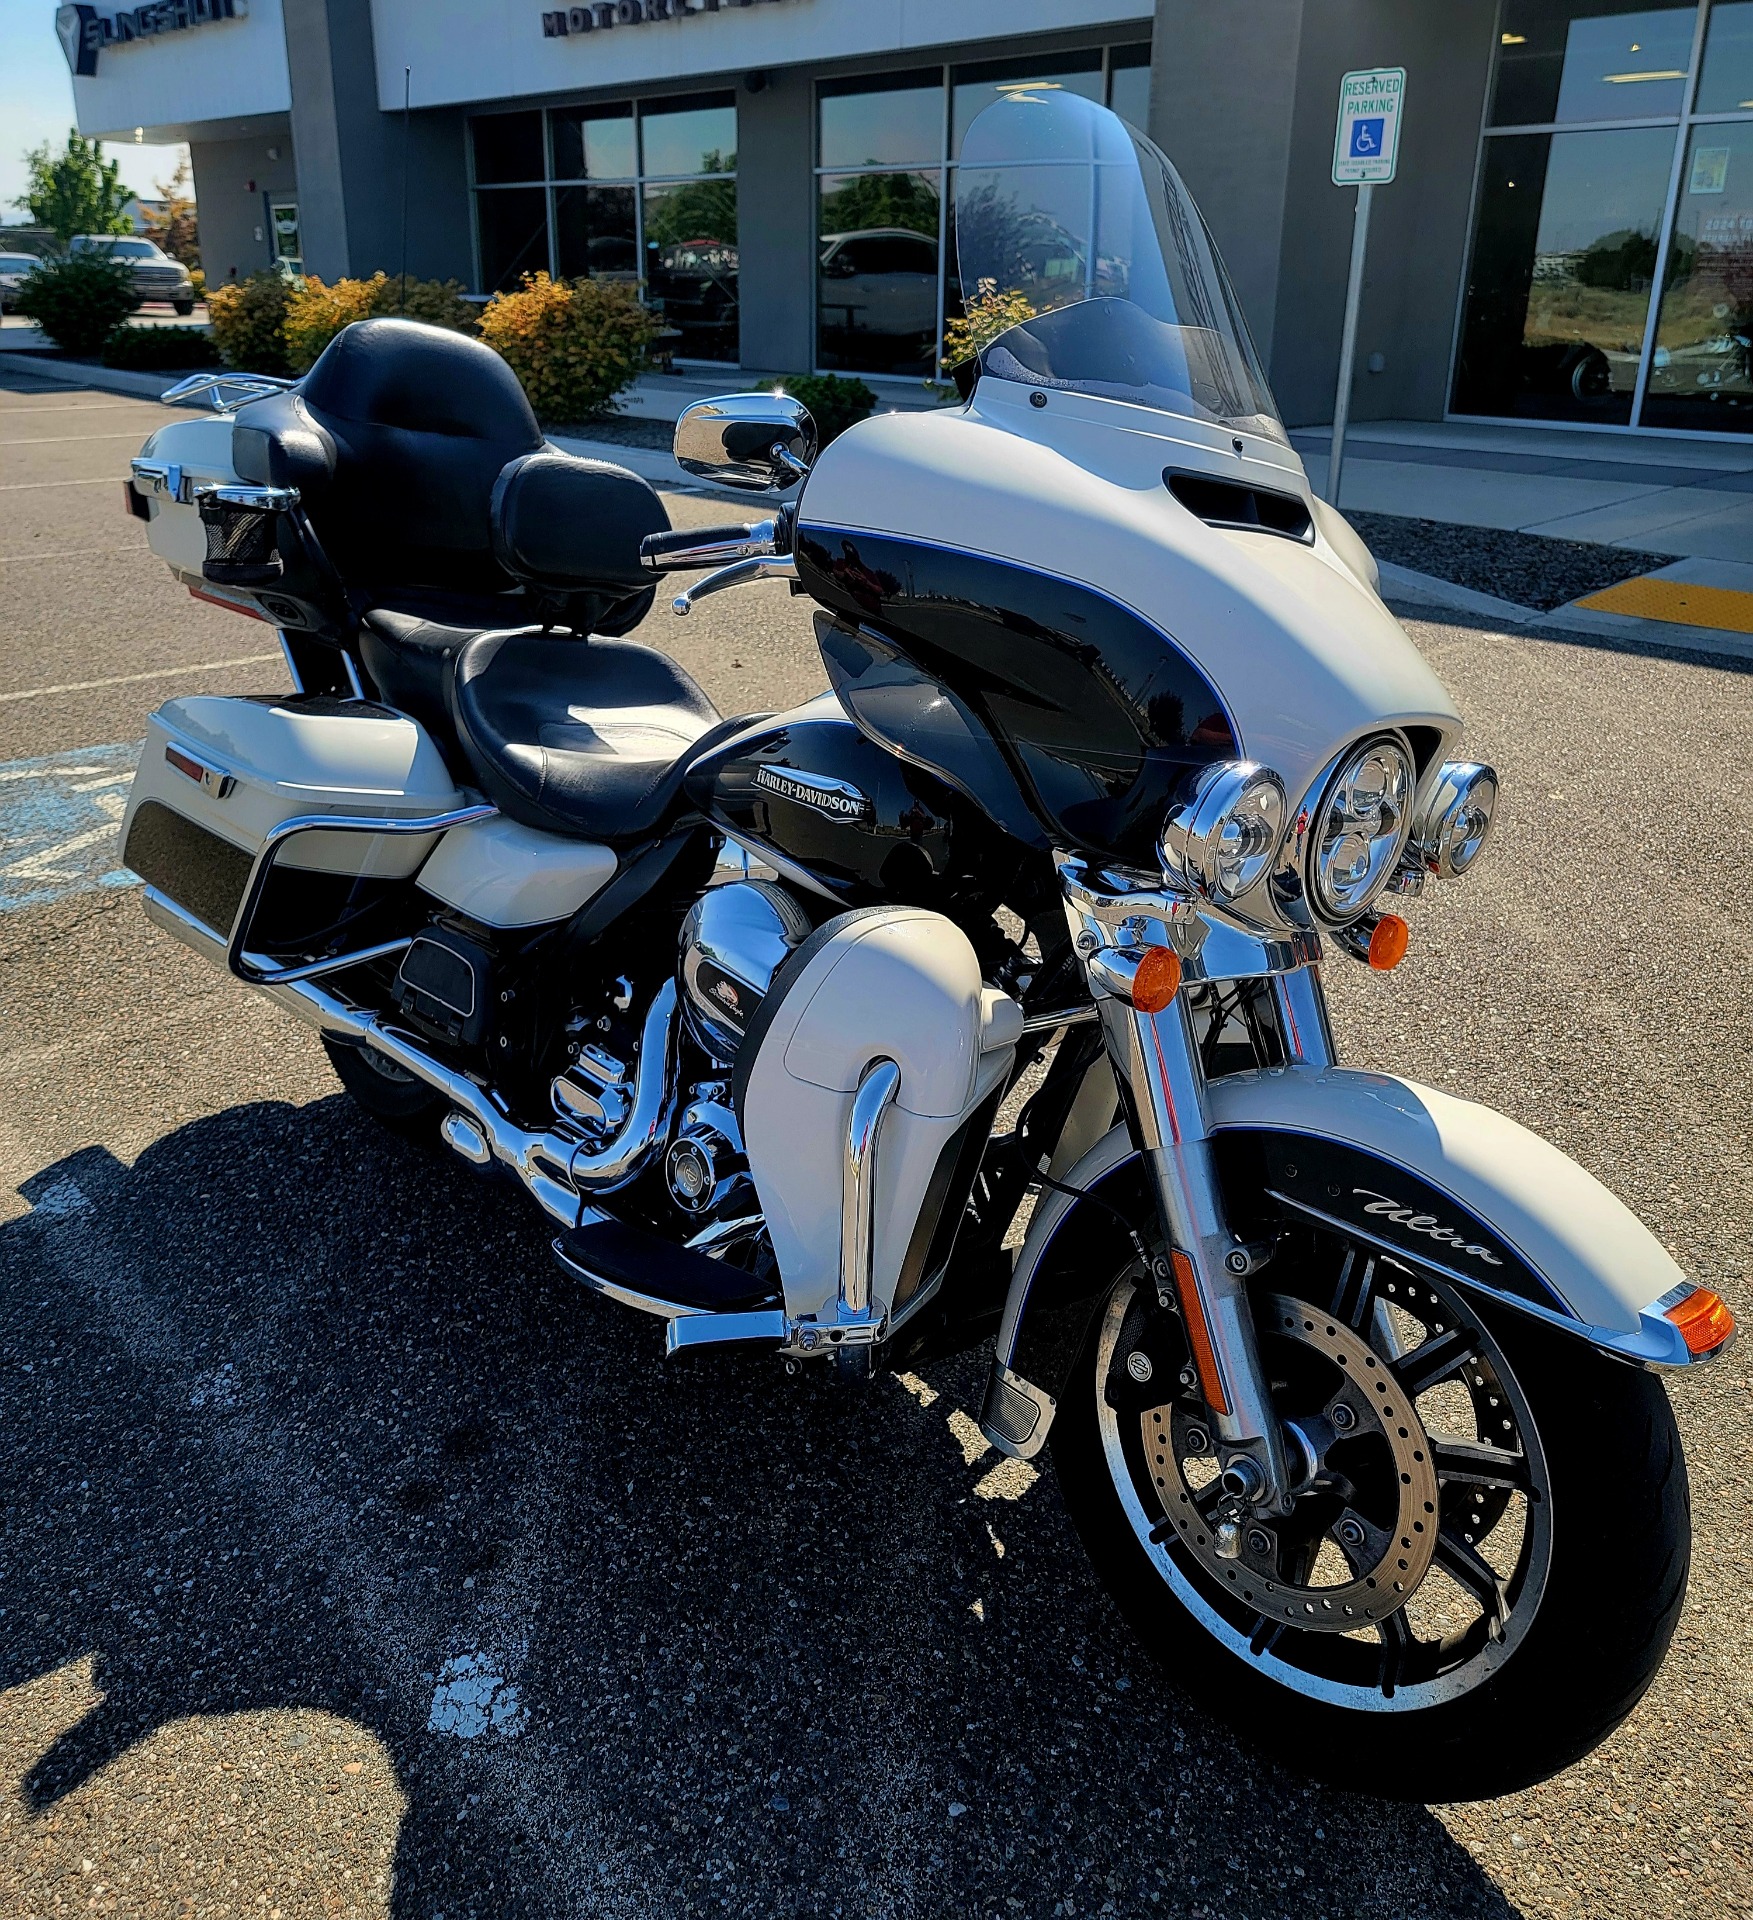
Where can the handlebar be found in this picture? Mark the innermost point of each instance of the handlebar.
(709, 546)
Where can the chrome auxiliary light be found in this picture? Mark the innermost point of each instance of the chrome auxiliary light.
(1223, 837)
(1455, 822)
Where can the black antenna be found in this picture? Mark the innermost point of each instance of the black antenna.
(407, 87)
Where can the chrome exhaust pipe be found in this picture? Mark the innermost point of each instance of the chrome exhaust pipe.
(557, 1167)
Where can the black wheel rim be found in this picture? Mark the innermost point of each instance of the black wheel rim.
(1292, 1602)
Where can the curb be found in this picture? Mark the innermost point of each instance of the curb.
(1426, 591)
(78, 373)
(657, 467)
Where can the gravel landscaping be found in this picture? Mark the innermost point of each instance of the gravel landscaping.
(1531, 569)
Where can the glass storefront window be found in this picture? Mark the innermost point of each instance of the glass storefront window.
(896, 121)
(674, 235)
(1574, 218)
(596, 233)
(1129, 84)
(513, 226)
(877, 285)
(1601, 60)
(691, 263)
(885, 281)
(1563, 261)
(1701, 373)
(978, 86)
(698, 136)
(508, 147)
(1725, 82)
(594, 144)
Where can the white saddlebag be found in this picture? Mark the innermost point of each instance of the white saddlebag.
(893, 983)
(217, 775)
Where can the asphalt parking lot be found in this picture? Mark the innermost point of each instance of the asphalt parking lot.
(352, 1563)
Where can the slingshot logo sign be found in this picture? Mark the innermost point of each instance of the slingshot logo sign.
(561, 22)
(84, 32)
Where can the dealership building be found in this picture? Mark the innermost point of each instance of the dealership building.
(1569, 238)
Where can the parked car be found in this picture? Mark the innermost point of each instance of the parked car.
(13, 268)
(879, 297)
(156, 275)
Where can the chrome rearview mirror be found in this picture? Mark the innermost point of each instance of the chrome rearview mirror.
(751, 441)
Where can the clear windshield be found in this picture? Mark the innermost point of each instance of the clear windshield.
(1086, 266)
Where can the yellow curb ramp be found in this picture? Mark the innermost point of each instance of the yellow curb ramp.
(1649, 597)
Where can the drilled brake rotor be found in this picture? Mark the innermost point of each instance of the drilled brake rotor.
(1371, 1486)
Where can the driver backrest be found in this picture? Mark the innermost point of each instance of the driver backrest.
(422, 420)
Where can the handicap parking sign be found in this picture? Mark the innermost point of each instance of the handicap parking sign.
(1366, 141)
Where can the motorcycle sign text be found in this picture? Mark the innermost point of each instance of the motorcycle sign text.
(1366, 143)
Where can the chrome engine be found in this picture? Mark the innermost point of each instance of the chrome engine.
(733, 941)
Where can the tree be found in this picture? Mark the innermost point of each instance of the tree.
(178, 232)
(77, 191)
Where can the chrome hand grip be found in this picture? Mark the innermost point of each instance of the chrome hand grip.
(708, 546)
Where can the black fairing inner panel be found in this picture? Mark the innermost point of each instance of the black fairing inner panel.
(870, 827)
(1098, 714)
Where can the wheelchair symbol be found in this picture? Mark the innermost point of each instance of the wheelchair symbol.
(1366, 139)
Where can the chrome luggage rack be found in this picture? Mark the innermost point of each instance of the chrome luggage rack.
(223, 392)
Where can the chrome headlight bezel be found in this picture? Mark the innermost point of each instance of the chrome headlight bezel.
(1456, 819)
(1329, 905)
(1230, 801)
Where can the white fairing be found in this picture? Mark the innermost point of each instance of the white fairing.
(902, 985)
(1603, 1262)
(505, 874)
(202, 448)
(1290, 632)
(284, 760)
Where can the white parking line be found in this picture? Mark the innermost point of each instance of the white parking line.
(74, 553)
(129, 679)
(36, 486)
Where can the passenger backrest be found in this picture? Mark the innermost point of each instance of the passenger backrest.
(422, 421)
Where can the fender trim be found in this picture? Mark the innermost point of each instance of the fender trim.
(1599, 1273)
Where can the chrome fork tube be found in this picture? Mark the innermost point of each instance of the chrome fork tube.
(1301, 1004)
(1155, 1055)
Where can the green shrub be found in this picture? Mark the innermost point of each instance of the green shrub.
(835, 403)
(249, 318)
(574, 344)
(316, 312)
(79, 301)
(161, 349)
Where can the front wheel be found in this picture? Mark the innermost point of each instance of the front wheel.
(1485, 1559)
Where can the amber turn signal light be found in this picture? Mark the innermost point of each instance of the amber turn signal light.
(1157, 980)
(1704, 1320)
(1389, 939)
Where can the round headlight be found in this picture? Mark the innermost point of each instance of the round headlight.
(1361, 827)
(1219, 841)
(1455, 822)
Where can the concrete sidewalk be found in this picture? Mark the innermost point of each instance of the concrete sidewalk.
(1692, 498)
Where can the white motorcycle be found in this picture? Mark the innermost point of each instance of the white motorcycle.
(1351, 1384)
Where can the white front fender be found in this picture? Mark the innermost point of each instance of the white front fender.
(1506, 1212)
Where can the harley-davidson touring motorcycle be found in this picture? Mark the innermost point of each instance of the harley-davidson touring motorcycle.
(981, 997)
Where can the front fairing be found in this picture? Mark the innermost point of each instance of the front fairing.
(1300, 653)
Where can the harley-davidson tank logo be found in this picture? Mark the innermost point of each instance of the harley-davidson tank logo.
(837, 797)
(1425, 1223)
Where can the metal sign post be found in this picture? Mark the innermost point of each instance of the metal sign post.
(1366, 152)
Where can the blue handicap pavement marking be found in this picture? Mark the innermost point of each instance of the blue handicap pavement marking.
(1366, 138)
(59, 818)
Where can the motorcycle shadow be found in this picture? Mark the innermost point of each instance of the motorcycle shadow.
(313, 1452)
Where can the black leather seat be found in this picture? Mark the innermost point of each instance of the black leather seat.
(585, 738)
(410, 651)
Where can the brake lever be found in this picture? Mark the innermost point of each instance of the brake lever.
(743, 573)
